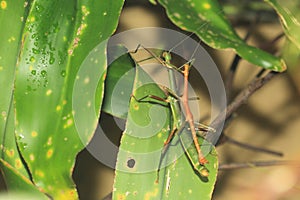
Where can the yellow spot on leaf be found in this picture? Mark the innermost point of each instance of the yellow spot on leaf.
(85, 11)
(3, 5)
(49, 142)
(40, 173)
(49, 92)
(86, 80)
(159, 135)
(89, 104)
(190, 191)
(149, 195)
(49, 153)
(207, 6)
(10, 153)
(3, 113)
(177, 15)
(34, 133)
(58, 108)
(121, 196)
(32, 19)
(18, 164)
(64, 102)
(11, 39)
(66, 194)
(136, 107)
(50, 187)
(31, 157)
(1, 68)
(69, 123)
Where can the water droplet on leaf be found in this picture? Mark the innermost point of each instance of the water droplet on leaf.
(63, 73)
(44, 73)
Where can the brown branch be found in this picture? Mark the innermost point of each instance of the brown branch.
(257, 164)
(230, 76)
(250, 147)
(242, 98)
(235, 62)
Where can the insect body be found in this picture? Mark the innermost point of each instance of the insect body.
(179, 121)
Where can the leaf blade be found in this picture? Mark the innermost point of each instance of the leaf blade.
(64, 40)
(205, 19)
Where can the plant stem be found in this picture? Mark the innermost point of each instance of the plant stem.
(252, 148)
(257, 164)
(242, 98)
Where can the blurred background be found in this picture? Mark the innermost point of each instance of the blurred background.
(270, 119)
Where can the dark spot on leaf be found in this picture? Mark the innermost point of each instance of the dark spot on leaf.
(130, 163)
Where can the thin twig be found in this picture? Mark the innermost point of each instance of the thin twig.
(252, 148)
(242, 98)
(230, 76)
(257, 164)
(269, 46)
(237, 59)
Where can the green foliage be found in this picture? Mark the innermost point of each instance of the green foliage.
(10, 19)
(52, 41)
(288, 11)
(147, 128)
(205, 19)
(50, 66)
(19, 184)
(119, 82)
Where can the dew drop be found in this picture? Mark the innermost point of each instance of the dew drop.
(63, 73)
(33, 35)
(35, 51)
(31, 59)
(46, 83)
(43, 73)
(39, 8)
(52, 59)
(33, 72)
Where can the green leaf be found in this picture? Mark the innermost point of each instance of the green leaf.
(205, 19)
(119, 82)
(292, 56)
(59, 86)
(288, 11)
(18, 184)
(12, 14)
(153, 2)
(148, 126)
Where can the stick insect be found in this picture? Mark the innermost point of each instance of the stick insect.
(194, 153)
